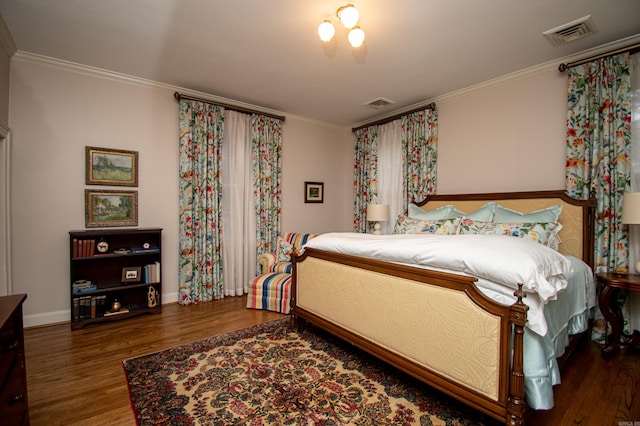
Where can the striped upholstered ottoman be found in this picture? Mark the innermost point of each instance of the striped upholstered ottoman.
(270, 291)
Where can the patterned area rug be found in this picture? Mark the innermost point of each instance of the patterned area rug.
(269, 374)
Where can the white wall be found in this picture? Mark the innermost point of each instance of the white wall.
(317, 153)
(57, 109)
(505, 135)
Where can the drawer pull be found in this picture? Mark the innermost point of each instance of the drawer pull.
(16, 399)
(11, 347)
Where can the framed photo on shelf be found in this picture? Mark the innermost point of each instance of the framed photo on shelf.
(105, 166)
(131, 274)
(314, 192)
(110, 208)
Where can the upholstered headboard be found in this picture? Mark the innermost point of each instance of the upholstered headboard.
(577, 216)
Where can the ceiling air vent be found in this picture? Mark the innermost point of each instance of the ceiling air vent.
(378, 103)
(571, 31)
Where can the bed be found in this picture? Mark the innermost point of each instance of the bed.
(497, 347)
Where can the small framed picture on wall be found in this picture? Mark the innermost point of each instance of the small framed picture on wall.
(314, 192)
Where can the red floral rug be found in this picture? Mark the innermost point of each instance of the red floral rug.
(269, 374)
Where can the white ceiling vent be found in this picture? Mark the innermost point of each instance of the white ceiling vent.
(378, 103)
(571, 31)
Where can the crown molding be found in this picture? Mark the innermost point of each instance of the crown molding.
(507, 78)
(91, 71)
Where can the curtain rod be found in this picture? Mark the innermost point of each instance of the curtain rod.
(431, 106)
(179, 96)
(631, 48)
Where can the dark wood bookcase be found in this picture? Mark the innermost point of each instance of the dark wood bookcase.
(117, 282)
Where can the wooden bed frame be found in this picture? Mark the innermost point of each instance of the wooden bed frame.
(461, 344)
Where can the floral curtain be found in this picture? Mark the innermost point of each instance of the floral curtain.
(201, 127)
(266, 151)
(417, 174)
(365, 185)
(598, 155)
(420, 151)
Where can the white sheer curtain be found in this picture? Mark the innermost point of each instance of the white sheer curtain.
(390, 171)
(238, 212)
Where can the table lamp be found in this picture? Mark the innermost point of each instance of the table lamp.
(631, 213)
(378, 213)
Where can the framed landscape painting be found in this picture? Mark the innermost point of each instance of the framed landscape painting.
(106, 166)
(110, 208)
(314, 192)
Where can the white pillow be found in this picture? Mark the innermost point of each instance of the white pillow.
(443, 212)
(505, 215)
(484, 213)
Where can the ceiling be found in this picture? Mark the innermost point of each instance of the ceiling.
(267, 53)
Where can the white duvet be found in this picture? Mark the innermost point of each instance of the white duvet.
(494, 259)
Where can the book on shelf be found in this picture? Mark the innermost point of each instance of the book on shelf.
(84, 307)
(151, 273)
(145, 250)
(89, 307)
(93, 307)
(83, 248)
(101, 305)
(82, 286)
(76, 309)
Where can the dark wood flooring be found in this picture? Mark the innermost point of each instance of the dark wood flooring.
(76, 377)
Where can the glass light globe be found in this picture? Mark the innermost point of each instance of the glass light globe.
(356, 37)
(326, 30)
(349, 16)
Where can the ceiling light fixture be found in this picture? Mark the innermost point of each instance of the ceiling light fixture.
(349, 17)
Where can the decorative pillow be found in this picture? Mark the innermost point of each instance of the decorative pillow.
(484, 213)
(545, 233)
(408, 225)
(443, 212)
(283, 250)
(505, 215)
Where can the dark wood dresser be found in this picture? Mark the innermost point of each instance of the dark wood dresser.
(14, 409)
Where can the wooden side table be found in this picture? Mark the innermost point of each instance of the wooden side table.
(608, 303)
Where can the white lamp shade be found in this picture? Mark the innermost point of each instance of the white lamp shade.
(356, 37)
(377, 212)
(326, 30)
(349, 15)
(631, 208)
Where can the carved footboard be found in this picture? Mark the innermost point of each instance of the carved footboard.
(434, 326)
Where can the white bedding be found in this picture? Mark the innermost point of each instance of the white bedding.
(500, 263)
(560, 289)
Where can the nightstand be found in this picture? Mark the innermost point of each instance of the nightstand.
(608, 303)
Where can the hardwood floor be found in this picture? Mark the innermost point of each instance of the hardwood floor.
(76, 377)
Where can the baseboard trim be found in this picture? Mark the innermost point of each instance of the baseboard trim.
(61, 317)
